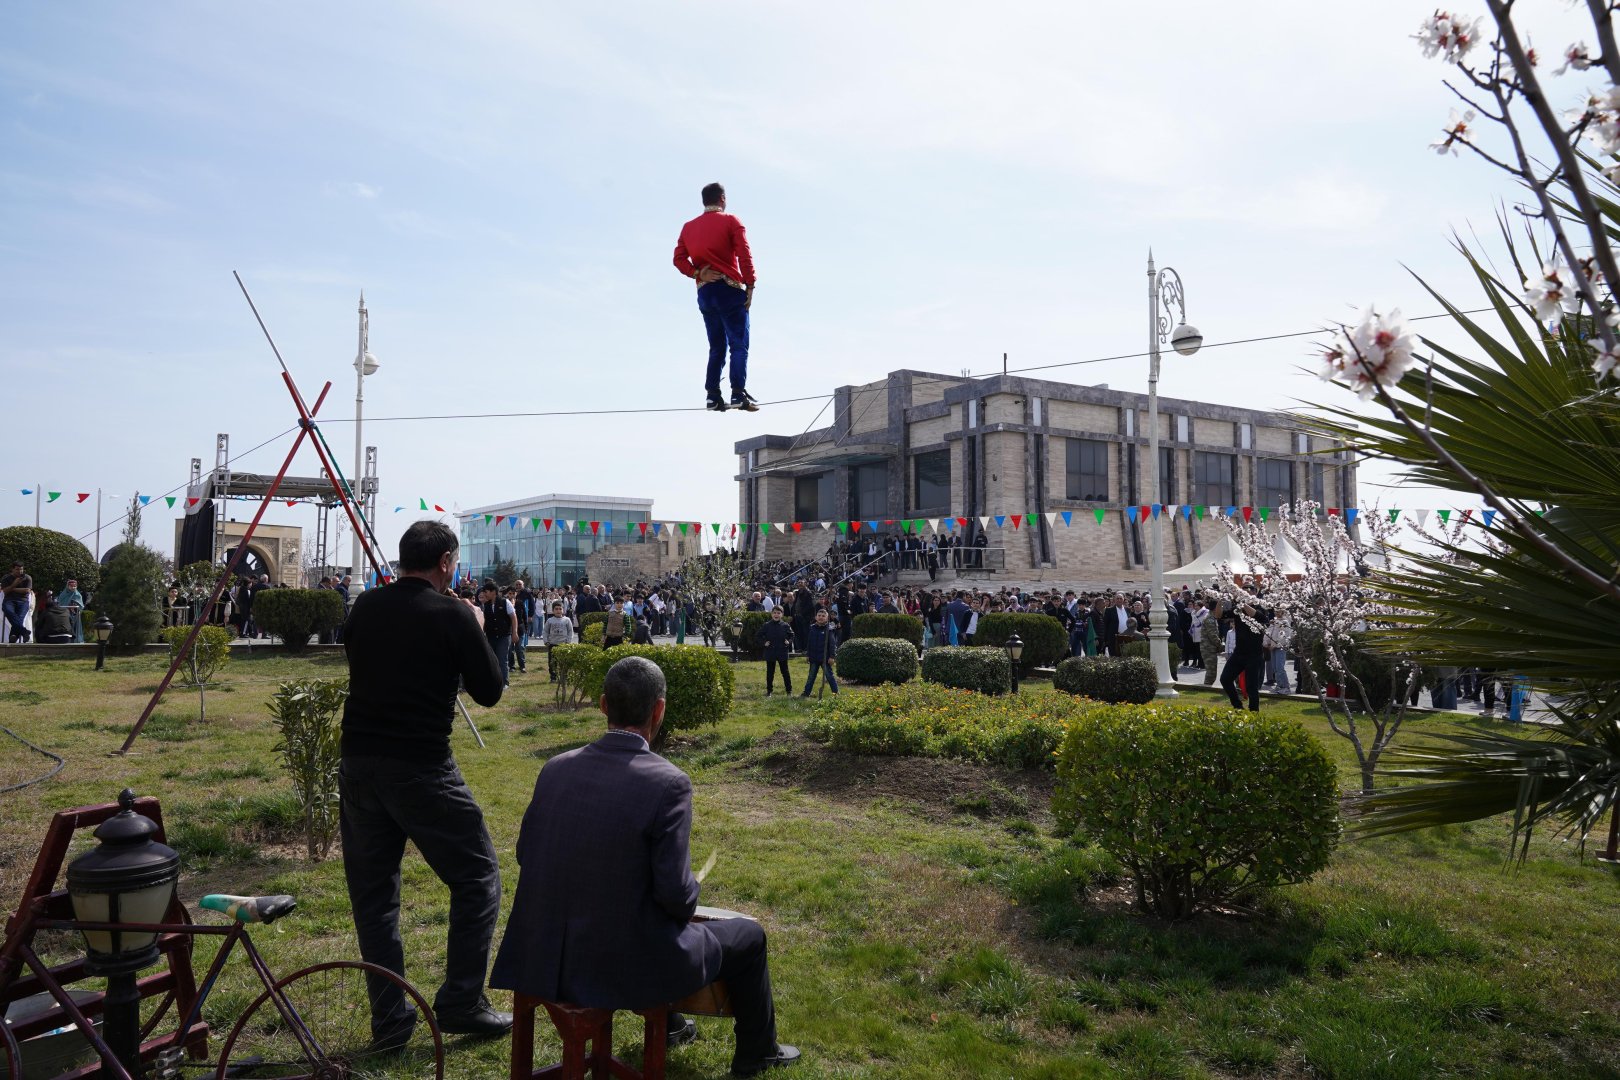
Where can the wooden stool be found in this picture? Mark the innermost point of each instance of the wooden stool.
(578, 1026)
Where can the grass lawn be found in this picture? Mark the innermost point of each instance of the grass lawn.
(924, 920)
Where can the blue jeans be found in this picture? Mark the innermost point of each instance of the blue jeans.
(503, 652)
(726, 320)
(16, 611)
(1279, 669)
(810, 680)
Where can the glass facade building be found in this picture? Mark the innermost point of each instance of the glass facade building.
(548, 557)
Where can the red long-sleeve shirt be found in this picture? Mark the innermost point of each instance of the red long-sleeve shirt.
(717, 240)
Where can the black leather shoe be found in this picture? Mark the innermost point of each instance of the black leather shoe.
(483, 1020)
(681, 1030)
(785, 1055)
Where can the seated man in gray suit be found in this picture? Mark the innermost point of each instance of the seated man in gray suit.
(603, 912)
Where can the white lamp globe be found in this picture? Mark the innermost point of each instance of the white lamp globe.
(1186, 339)
(367, 364)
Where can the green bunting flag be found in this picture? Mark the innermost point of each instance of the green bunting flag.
(423, 506)
(1101, 513)
(1393, 514)
(1199, 510)
(1265, 512)
(170, 500)
(52, 496)
(536, 523)
(843, 527)
(488, 518)
(764, 527)
(682, 526)
(716, 526)
(1445, 516)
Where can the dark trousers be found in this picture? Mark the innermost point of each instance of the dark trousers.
(810, 678)
(384, 803)
(726, 320)
(503, 652)
(518, 654)
(1252, 670)
(770, 675)
(747, 975)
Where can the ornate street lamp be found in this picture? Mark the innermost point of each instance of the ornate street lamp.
(1015, 653)
(736, 637)
(1164, 287)
(129, 878)
(103, 627)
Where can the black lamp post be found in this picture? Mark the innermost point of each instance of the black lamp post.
(103, 627)
(736, 637)
(129, 878)
(1015, 653)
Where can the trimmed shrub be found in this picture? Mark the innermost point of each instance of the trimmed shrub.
(591, 618)
(593, 634)
(210, 652)
(968, 668)
(1202, 805)
(569, 665)
(1045, 640)
(49, 557)
(1117, 680)
(308, 715)
(876, 660)
(1144, 649)
(129, 594)
(875, 624)
(296, 615)
(925, 720)
(751, 622)
(700, 682)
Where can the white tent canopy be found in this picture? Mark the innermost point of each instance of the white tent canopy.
(1225, 551)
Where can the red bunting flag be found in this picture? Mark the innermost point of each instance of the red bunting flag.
(854, 526)
(1016, 518)
(1142, 513)
(1333, 511)
(961, 523)
(1248, 513)
(798, 526)
(1467, 514)
(643, 525)
(547, 522)
(292, 502)
(192, 502)
(594, 526)
(83, 495)
(499, 518)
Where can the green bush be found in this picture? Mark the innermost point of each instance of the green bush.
(927, 720)
(751, 622)
(210, 652)
(700, 682)
(1045, 640)
(1202, 805)
(874, 624)
(49, 557)
(968, 668)
(1122, 679)
(593, 634)
(1143, 649)
(876, 660)
(308, 715)
(296, 615)
(569, 665)
(591, 618)
(130, 594)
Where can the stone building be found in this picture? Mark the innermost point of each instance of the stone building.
(923, 445)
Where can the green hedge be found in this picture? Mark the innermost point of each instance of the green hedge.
(49, 557)
(591, 618)
(926, 720)
(1045, 640)
(875, 624)
(751, 622)
(593, 634)
(1144, 649)
(986, 670)
(700, 681)
(569, 664)
(1202, 805)
(1123, 679)
(877, 660)
(296, 615)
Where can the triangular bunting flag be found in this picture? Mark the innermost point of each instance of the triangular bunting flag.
(657, 527)
(607, 527)
(397, 509)
(170, 500)
(1142, 512)
(825, 525)
(1248, 512)
(843, 527)
(715, 525)
(1200, 511)
(1001, 521)
(439, 508)
(1016, 518)
(498, 518)
(52, 496)
(1393, 514)
(27, 491)
(292, 502)
(1068, 518)
(1350, 513)
(961, 523)
(1445, 516)
(147, 498)
(764, 528)
(1101, 513)
(1231, 511)
(512, 522)
(424, 505)
(1333, 511)
(547, 523)
(1422, 516)
(83, 495)
(1187, 511)
(643, 526)
(1171, 508)
(1489, 516)
(681, 525)
(192, 502)
(1265, 512)
(567, 526)
(596, 527)
(1467, 514)
(1158, 508)
(488, 518)
(798, 526)
(534, 523)
(984, 521)
(872, 525)
(733, 529)
(855, 526)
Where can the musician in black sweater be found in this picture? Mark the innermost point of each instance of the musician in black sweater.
(409, 648)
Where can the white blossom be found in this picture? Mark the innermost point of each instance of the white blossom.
(1577, 57)
(1551, 293)
(1606, 361)
(1448, 36)
(1601, 115)
(1456, 130)
(1376, 352)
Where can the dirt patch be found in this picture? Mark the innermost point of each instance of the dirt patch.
(934, 785)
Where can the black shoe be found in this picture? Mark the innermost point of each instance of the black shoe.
(716, 405)
(785, 1055)
(394, 1039)
(681, 1030)
(742, 399)
(482, 1020)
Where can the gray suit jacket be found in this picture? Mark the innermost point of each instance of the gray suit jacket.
(605, 895)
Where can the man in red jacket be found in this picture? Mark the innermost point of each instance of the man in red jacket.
(713, 251)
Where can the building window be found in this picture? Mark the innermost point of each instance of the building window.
(1167, 475)
(1087, 470)
(1246, 436)
(869, 491)
(1274, 482)
(933, 480)
(1183, 429)
(1316, 482)
(813, 497)
(1302, 442)
(1212, 478)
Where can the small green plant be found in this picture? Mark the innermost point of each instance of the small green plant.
(1045, 640)
(590, 619)
(296, 615)
(1114, 679)
(987, 670)
(876, 660)
(877, 624)
(746, 645)
(922, 719)
(569, 664)
(593, 633)
(700, 682)
(210, 652)
(1202, 806)
(308, 718)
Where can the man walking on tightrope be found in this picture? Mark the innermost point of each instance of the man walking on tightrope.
(713, 251)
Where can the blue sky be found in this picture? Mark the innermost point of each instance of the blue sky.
(926, 185)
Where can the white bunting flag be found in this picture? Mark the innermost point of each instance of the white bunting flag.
(1171, 509)
(984, 521)
(1422, 516)
(1051, 519)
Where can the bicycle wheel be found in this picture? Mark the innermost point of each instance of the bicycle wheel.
(331, 1003)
